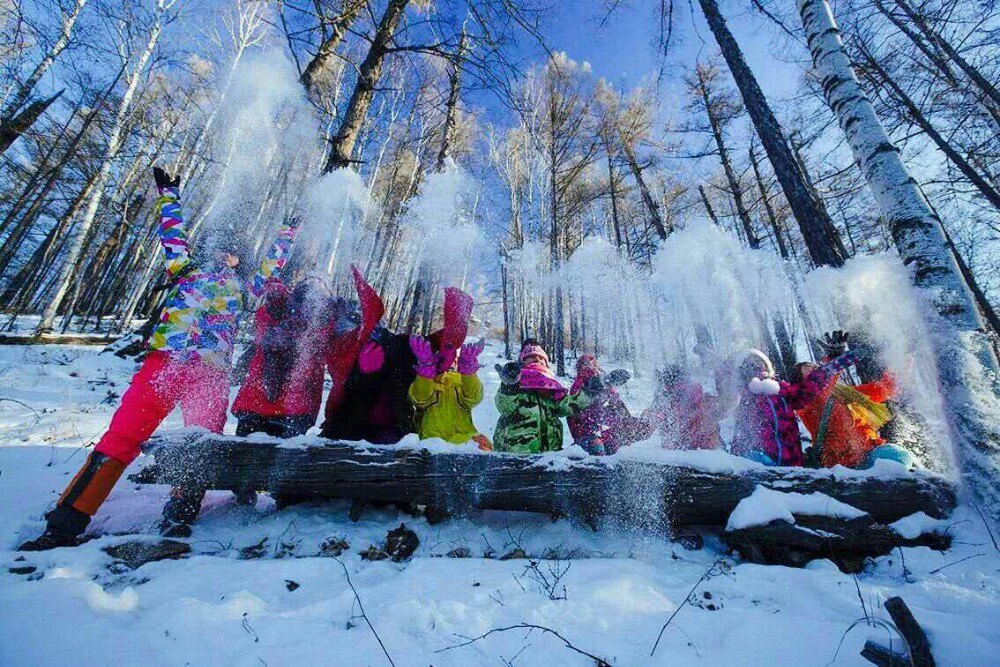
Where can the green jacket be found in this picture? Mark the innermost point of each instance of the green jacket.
(444, 406)
(530, 421)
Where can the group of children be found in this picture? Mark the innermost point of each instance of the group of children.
(386, 385)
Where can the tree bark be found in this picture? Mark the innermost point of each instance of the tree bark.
(768, 208)
(967, 368)
(15, 126)
(115, 140)
(821, 237)
(451, 106)
(647, 197)
(588, 487)
(342, 147)
(327, 50)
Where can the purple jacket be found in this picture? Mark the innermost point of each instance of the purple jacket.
(767, 423)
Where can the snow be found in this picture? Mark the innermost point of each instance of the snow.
(620, 586)
(915, 525)
(765, 505)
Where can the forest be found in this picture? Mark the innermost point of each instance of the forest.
(657, 184)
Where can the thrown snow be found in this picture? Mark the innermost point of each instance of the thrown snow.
(217, 607)
(765, 505)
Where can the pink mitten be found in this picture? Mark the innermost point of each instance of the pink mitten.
(426, 364)
(468, 360)
(371, 358)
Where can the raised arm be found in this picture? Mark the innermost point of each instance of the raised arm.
(275, 258)
(173, 235)
(801, 394)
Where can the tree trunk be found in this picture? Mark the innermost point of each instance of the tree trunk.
(9, 114)
(768, 208)
(708, 205)
(917, 116)
(647, 196)
(451, 106)
(115, 140)
(967, 368)
(342, 147)
(587, 487)
(327, 50)
(821, 237)
(15, 126)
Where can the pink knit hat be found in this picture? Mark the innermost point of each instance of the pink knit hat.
(532, 349)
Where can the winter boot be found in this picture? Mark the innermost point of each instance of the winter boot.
(181, 511)
(80, 501)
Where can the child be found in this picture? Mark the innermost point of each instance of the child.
(766, 429)
(296, 333)
(188, 363)
(606, 425)
(844, 421)
(683, 414)
(531, 402)
(446, 388)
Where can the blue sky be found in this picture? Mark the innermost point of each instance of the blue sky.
(624, 49)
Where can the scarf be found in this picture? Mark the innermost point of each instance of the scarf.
(540, 378)
(864, 410)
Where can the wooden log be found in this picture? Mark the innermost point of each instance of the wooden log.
(879, 655)
(58, 339)
(644, 494)
(916, 638)
(846, 542)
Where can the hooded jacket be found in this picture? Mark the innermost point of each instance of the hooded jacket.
(201, 312)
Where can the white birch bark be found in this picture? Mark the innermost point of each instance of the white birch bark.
(115, 141)
(967, 368)
(24, 90)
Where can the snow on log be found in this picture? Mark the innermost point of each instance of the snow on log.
(788, 528)
(642, 493)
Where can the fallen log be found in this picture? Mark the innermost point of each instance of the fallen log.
(58, 339)
(645, 494)
(846, 542)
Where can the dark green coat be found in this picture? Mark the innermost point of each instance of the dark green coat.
(530, 422)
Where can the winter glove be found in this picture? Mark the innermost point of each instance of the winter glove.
(164, 180)
(618, 377)
(848, 358)
(426, 363)
(834, 343)
(371, 358)
(468, 360)
(593, 386)
(509, 373)
(765, 387)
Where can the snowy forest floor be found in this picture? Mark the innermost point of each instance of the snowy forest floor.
(616, 589)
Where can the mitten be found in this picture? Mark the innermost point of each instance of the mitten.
(371, 358)
(509, 373)
(164, 180)
(617, 378)
(426, 363)
(468, 360)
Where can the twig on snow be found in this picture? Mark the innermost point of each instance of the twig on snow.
(987, 525)
(704, 576)
(601, 662)
(960, 560)
(363, 614)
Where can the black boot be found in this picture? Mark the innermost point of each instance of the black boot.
(65, 525)
(181, 511)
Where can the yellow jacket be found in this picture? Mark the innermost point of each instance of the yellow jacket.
(444, 406)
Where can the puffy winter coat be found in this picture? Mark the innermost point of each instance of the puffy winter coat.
(846, 436)
(201, 312)
(685, 417)
(606, 425)
(302, 392)
(374, 406)
(530, 421)
(767, 423)
(444, 406)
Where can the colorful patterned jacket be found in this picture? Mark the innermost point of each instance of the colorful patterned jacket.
(201, 312)
(767, 423)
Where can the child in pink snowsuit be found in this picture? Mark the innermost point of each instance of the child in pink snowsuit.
(767, 428)
(188, 363)
(606, 425)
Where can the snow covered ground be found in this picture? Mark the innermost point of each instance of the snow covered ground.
(615, 592)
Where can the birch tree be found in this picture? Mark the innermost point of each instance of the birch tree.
(967, 366)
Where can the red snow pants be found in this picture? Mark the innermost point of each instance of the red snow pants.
(163, 380)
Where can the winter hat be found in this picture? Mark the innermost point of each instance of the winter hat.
(749, 368)
(446, 340)
(587, 361)
(533, 349)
